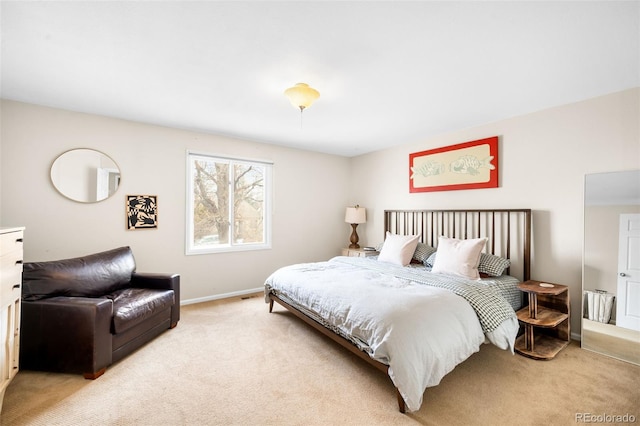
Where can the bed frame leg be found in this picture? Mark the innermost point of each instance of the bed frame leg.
(270, 305)
(401, 405)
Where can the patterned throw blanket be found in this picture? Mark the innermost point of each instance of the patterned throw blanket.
(491, 308)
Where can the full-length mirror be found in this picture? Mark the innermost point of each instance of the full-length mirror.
(611, 265)
(85, 175)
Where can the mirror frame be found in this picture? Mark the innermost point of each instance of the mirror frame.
(85, 175)
(619, 190)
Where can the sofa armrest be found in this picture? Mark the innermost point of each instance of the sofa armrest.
(155, 281)
(67, 334)
(160, 282)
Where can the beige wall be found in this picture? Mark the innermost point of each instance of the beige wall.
(310, 197)
(543, 159)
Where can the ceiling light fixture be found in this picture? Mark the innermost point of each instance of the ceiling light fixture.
(301, 95)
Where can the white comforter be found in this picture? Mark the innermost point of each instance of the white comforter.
(421, 332)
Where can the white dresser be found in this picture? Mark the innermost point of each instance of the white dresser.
(10, 294)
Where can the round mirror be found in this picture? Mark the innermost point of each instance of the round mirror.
(85, 175)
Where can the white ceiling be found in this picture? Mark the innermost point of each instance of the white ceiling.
(388, 72)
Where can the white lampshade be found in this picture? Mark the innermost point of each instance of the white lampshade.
(355, 214)
(301, 95)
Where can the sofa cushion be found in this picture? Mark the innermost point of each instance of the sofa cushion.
(93, 275)
(131, 306)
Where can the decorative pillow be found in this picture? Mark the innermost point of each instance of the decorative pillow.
(429, 261)
(459, 257)
(423, 251)
(398, 249)
(492, 265)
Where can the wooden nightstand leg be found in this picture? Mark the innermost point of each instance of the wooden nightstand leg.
(528, 328)
(533, 305)
(528, 337)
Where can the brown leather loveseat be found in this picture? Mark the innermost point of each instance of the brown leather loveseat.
(81, 315)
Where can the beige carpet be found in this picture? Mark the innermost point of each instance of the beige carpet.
(232, 363)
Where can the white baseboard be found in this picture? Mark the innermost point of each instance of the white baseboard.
(221, 296)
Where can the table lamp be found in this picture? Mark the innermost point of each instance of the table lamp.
(354, 216)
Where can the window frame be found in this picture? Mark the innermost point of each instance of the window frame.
(190, 248)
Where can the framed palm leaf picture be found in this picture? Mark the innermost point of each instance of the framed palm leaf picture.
(142, 211)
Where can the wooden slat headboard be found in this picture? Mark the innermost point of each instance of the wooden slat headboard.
(508, 231)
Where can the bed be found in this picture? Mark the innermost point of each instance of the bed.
(416, 320)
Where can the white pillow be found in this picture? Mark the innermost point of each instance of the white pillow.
(459, 257)
(398, 249)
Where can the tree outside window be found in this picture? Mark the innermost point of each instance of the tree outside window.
(228, 204)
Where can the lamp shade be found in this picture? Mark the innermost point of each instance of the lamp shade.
(301, 95)
(355, 215)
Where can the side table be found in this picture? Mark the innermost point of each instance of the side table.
(546, 320)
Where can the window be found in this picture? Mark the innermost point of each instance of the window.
(228, 207)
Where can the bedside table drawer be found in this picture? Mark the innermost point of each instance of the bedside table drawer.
(358, 252)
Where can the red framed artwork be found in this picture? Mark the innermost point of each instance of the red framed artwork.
(468, 165)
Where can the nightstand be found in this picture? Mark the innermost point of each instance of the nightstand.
(546, 320)
(359, 252)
